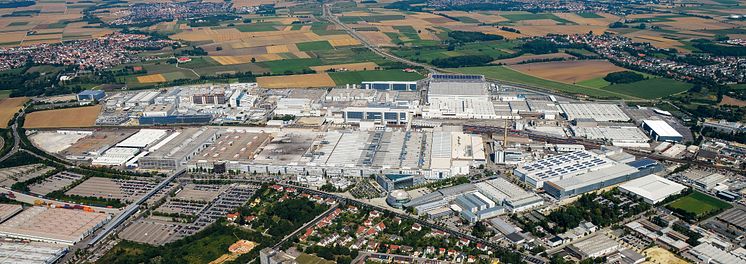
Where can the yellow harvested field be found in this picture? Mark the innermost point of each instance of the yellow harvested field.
(277, 49)
(242, 59)
(316, 80)
(568, 71)
(377, 38)
(659, 255)
(344, 42)
(69, 117)
(696, 23)
(361, 66)
(151, 78)
(587, 21)
(658, 42)
(538, 22)
(9, 107)
(301, 55)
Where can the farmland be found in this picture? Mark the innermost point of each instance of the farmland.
(69, 117)
(568, 71)
(342, 78)
(8, 107)
(698, 205)
(317, 80)
(507, 74)
(650, 88)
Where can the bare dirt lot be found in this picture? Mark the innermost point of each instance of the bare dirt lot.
(659, 255)
(727, 100)
(568, 71)
(70, 117)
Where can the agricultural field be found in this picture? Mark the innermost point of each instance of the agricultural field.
(651, 88)
(568, 71)
(360, 66)
(508, 74)
(47, 22)
(8, 108)
(698, 205)
(529, 58)
(316, 80)
(68, 117)
(342, 78)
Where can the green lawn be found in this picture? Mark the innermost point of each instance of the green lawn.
(356, 77)
(314, 45)
(594, 83)
(256, 27)
(651, 88)
(699, 204)
(507, 74)
(589, 15)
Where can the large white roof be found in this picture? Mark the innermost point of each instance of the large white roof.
(143, 138)
(662, 128)
(653, 187)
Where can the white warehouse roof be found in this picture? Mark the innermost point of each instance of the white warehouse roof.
(662, 128)
(652, 188)
(143, 138)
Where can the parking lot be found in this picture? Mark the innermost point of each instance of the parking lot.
(54, 183)
(154, 232)
(124, 190)
(9, 176)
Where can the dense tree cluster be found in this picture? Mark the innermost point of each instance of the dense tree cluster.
(472, 36)
(539, 46)
(462, 61)
(624, 77)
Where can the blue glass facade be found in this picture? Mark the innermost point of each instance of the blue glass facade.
(171, 120)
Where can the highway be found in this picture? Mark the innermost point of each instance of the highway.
(16, 139)
(329, 16)
(132, 208)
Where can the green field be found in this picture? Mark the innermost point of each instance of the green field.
(314, 45)
(507, 74)
(4, 93)
(356, 77)
(699, 205)
(651, 88)
(376, 18)
(256, 27)
(531, 16)
(589, 15)
(293, 65)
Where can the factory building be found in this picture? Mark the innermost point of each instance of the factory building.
(31, 252)
(143, 138)
(661, 131)
(175, 119)
(116, 156)
(53, 225)
(594, 111)
(565, 187)
(390, 182)
(512, 196)
(561, 166)
(707, 253)
(621, 136)
(461, 108)
(652, 189)
(594, 247)
(390, 85)
(142, 99)
(453, 153)
(179, 150)
(297, 107)
(380, 114)
(90, 96)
